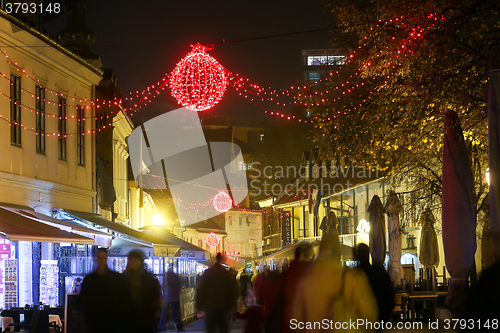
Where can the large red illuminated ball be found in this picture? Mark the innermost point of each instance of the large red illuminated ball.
(198, 82)
(222, 202)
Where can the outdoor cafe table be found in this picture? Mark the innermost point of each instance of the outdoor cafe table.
(430, 298)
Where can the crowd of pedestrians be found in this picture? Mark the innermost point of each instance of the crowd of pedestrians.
(306, 291)
(309, 289)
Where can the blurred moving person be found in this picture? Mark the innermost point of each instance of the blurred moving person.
(268, 289)
(245, 284)
(173, 298)
(104, 298)
(236, 287)
(332, 292)
(145, 292)
(304, 256)
(380, 283)
(216, 296)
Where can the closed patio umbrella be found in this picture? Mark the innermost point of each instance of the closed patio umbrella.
(428, 254)
(395, 269)
(459, 222)
(378, 247)
(330, 242)
(494, 158)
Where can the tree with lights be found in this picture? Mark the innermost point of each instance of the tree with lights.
(407, 65)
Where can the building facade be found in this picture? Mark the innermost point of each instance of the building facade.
(48, 156)
(46, 140)
(244, 233)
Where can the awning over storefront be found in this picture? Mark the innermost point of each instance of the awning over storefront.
(234, 264)
(21, 228)
(100, 238)
(160, 246)
(288, 253)
(187, 250)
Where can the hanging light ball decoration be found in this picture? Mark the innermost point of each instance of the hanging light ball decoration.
(212, 239)
(198, 81)
(222, 202)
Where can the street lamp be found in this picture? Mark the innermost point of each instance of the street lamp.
(157, 219)
(488, 176)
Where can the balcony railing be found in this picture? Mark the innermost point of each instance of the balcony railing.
(349, 239)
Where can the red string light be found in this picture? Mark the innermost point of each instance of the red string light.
(198, 82)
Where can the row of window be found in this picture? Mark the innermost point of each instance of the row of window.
(325, 60)
(240, 218)
(15, 121)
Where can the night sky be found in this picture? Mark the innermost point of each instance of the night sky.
(137, 38)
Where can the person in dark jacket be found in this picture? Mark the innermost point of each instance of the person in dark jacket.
(104, 297)
(216, 296)
(145, 292)
(174, 297)
(245, 283)
(380, 283)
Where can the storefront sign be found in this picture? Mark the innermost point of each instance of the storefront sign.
(124, 250)
(196, 255)
(286, 229)
(99, 240)
(165, 250)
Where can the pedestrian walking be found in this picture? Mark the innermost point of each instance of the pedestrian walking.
(268, 289)
(173, 298)
(332, 293)
(380, 283)
(245, 284)
(216, 296)
(145, 292)
(104, 297)
(304, 256)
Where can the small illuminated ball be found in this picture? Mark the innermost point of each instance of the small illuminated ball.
(198, 81)
(222, 202)
(212, 239)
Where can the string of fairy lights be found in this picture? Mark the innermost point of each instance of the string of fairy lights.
(198, 82)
